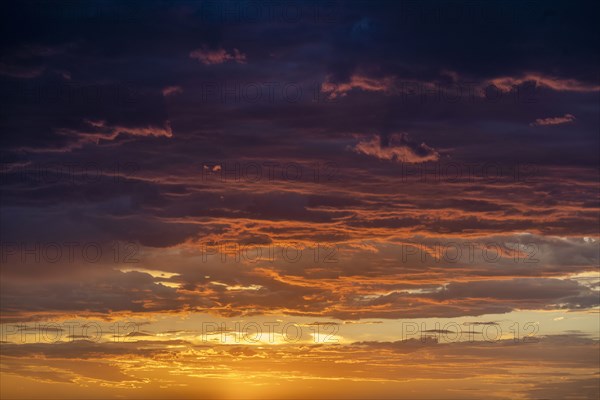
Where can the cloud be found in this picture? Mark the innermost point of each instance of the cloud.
(171, 207)
(399, 148)
(567, 118)
(219, 56)
(467, 369)
(361, 82)
(172, 90)
(553, 83)
(21, 71)
(97, 130)
(196, 159)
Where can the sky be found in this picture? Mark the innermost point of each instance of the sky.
(284, 200)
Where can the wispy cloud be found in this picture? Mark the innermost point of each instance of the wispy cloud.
(219, 56)
(565, 119)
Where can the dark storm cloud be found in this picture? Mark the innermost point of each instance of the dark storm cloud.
(510, 38)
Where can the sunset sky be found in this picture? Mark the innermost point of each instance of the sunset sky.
(300, 200)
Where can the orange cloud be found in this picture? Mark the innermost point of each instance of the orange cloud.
(403, 151)
(219, 56)
(567, 118)
(361, 82)
(99, 129)
(178, 368)
(172, 90)
(558, 84)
